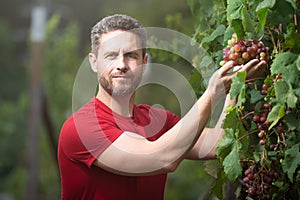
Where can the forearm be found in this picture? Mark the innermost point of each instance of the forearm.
(207, 142)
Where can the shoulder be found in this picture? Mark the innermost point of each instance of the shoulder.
(85, 113)
(157, 112)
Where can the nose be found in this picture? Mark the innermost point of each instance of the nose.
(121, 64)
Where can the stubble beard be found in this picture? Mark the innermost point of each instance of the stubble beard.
(117, 89)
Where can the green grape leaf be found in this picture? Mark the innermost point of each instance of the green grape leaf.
(247, 20)
(262, 10)
(234, 9)
(285, 64)
(291, 138)
(196, 81)
(238, 28)
(238, 81)
(265, 4)
(255, 96)
(292, 122)
(291, 161)
(212, 167)
(231, 163)
(293, 4)
(277, 112)
(225, 144)
(238, 87)
(216, 33)
(281, 61)
(298, 63)
(217, 188)
(231, 118)
(228, 152)
(234, 16)
(292, 38)
(285, 94)
(262, 16)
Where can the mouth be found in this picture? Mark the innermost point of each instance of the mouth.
(120, 77)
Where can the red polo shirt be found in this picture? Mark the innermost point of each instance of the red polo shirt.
(88, 132)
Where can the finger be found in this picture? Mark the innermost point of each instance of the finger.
(257, 70)
(250, 64)
(228, 65)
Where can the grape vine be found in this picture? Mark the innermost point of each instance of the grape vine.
(260, 151)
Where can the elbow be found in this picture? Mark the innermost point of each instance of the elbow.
(171, 167)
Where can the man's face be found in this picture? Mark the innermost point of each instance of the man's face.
(119, 63)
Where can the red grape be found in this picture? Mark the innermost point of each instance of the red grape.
(241, 51)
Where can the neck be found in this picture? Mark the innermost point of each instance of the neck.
(123, 105)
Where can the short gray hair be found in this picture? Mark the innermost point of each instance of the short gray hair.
(117, 22)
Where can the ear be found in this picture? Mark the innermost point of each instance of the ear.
(145, 61)
(93, 62)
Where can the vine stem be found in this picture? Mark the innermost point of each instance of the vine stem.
(249, 133)
(254, 79)
(272, 39)
(296, 22)
(245, 116)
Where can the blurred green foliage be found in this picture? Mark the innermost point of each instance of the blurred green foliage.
(65, 47)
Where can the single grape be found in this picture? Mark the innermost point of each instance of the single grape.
(259, 50)
(268, 179)
(254, 47)
(246, 180)
(250, 176)
(263, 92)
(243, 48)
(234, 36)
(262, 119)
(279, 129)
(262, 142)
(272, 147)
(251, 192)
(230, 42)
(263, 126)
(265, 87)
(261, 134)
(260, 44)
(245, 55)
(255, 41)
(256, 118)
(262, 54)
(248, 171)
(237, 47)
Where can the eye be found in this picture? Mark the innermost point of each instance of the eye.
(131, 55)
(111, 55)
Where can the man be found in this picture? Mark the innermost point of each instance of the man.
(113, 149)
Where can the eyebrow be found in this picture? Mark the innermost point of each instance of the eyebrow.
(135, 52)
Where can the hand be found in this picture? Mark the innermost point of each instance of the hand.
(254, 68)
(220, 82)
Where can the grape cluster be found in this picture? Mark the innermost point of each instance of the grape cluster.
(261, 121)
(257, 182)
(241, 51)
(258, 179)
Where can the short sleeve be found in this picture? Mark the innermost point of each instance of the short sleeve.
(83, 137)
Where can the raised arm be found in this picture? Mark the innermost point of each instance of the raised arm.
(206, 145)
(131, 154)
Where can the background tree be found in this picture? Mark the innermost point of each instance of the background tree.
(66, 45)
